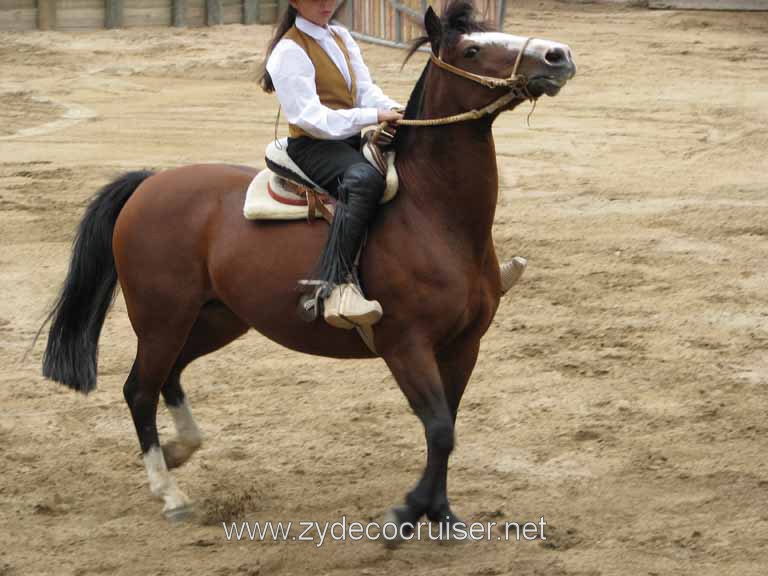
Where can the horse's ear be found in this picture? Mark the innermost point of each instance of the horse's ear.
(434, 29)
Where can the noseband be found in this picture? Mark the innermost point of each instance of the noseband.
(514, 81)
(516, 84)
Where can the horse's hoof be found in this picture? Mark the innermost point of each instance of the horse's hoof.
(179, 514)
(446, 517)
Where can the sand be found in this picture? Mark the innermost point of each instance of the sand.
(620, 392)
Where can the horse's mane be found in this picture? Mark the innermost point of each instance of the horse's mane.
(458, 18)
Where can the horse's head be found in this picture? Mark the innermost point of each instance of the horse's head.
(477, 66)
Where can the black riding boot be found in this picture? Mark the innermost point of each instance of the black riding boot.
(358, 196)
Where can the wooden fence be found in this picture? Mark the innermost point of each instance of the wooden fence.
(388, 21)
(384, 21)
(90, 14)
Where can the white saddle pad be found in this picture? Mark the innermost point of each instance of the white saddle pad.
(283, 204)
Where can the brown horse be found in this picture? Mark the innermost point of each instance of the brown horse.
(196, 275)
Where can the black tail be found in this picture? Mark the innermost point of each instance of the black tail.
(88, 291)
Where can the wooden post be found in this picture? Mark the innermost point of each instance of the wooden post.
(250, 11)
(398, 24)
(213, 13)
(267, 11)
(46, 14)
(113, 13)
(282, 6)
(349, 14)
(179, 13)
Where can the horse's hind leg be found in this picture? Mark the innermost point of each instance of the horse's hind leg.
(160, 342)
(188, 436)
(215, 327)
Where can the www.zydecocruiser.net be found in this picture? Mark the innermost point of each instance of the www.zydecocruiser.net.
(343, 531)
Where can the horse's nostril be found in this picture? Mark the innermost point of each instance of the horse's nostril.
(556, 56)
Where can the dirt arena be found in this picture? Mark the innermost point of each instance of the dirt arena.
(620, 392)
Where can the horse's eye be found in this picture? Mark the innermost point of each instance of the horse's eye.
(471, 52)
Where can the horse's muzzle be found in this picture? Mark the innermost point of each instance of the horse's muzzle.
(558, 68)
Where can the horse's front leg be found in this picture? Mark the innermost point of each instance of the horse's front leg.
(415, 368)
(456, 364)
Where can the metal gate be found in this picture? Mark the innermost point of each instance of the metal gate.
(397, 22)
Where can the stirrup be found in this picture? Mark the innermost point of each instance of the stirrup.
(309, 304)
(346, 307)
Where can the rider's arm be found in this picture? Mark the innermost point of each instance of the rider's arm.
(293, 76)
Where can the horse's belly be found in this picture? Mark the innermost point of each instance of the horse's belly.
(255, 268)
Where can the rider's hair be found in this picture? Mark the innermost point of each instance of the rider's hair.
(285, 24)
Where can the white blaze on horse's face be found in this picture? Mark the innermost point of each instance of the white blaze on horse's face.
(548, 65)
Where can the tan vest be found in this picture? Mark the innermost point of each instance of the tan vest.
(329, 81)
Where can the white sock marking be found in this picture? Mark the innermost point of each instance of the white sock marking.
(161, 483)
(186, 427)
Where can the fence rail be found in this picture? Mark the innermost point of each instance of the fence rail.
(397, 22)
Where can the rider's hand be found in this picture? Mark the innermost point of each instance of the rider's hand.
(389, 116)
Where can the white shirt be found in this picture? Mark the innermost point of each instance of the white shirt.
(293, 76)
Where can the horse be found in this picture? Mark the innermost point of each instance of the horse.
(196, 275)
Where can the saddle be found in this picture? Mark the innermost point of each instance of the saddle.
(284, 192)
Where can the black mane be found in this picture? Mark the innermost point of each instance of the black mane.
(458, 18)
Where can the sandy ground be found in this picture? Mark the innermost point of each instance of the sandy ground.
(620, 392)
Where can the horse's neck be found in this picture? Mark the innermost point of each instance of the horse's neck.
(449, 175)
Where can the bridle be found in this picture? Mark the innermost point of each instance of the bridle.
(517, 86)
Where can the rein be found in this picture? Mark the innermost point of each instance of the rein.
(516, 83)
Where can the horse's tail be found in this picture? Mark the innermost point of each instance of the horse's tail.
(88, 291)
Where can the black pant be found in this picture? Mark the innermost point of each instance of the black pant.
(325, 161)
(339, 167)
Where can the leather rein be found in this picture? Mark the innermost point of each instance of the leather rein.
(516, 83)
